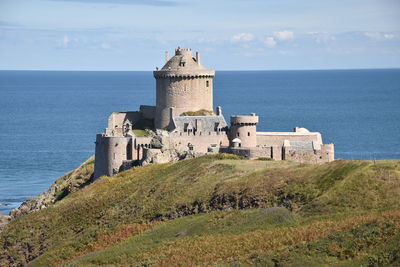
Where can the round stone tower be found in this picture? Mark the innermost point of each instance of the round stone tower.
(244, 128)
(183, 83)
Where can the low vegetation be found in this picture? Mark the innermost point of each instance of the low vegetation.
(141, 133)
(219, 210)
(201, 112)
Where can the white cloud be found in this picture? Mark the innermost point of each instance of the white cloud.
(373, 35)
(322, 37)
(388, 36)
(379, 36)
(243, 37)
(270, 42)
(283, 35)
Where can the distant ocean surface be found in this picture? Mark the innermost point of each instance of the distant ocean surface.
(48, 120)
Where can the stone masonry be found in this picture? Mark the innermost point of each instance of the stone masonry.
(182, 125)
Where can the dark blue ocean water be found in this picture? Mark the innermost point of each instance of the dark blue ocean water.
(48, 120)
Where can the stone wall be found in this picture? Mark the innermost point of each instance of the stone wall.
(185, 94)
(200, 142)
(117, 119)
(245, 129)
(276, 152)
(277, 139)
(139, 144)
(148, 112)
(111, 151)
(325, 154)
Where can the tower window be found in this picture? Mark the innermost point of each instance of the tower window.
(207, 83)
(248, 134)
(238, 134)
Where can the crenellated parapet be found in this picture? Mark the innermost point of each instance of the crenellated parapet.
(184, 74)
(244, 120)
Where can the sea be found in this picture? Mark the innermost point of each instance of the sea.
(49, 119)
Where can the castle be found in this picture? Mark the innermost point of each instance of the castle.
(182, 124)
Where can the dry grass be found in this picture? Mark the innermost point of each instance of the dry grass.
(222, 248)
(218, 197)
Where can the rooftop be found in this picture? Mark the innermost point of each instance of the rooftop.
(183, 63)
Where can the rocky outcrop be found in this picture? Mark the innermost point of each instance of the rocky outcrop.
(3, 221)
(163, 150)
(160, 139)
(157, 156)
(70, 182)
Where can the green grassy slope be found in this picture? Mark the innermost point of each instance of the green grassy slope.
(219, 210)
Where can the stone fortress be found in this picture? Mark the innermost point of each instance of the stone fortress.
(182, 125)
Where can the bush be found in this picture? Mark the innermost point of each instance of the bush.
(264, 158)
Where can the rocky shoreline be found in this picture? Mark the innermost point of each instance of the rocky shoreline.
(66, 184)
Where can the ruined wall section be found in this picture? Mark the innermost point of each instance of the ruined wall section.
(139, 145)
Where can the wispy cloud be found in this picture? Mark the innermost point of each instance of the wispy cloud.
(380, 36)
(65, 41)
(322, 37)
(242, 37)
(128, 2)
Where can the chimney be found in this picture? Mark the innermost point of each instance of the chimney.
(172, 112)
(198, 58)
(166, 56)
(219, 111)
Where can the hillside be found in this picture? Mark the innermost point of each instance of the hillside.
(218, 210)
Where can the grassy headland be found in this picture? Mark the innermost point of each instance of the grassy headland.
(219, 210)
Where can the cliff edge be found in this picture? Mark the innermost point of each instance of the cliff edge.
(66, 184)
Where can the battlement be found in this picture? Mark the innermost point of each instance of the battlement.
(244, 120)
(183, 51)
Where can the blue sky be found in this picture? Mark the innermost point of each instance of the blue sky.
(230, 34)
